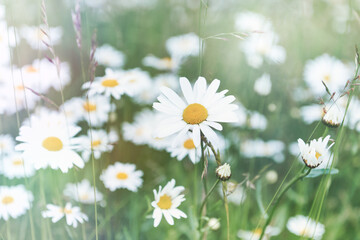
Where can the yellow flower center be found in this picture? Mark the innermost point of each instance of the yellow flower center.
(52, 144)
(84, 197)
(317, 155)
(195, 113)
(168, 62)
(257, 232)
(31, 69)
(89, 107)
(164, 202)
(17, 162)
(189, 144)
(20, 87)
(121, 176)
(110, 83)
(304, 232)
(327, 78)
(139, 131)
(7, 200)
(96, 143)
(67, 211)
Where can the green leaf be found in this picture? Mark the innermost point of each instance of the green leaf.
(318, 172)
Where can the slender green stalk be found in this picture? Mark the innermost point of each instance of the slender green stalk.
(281, 194)
(226, 211)
(207, 196)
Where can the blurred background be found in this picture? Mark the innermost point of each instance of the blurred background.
(260, 148)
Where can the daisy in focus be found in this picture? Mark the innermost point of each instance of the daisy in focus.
(201, 111)
(14, 201)
(83, 192)
(73, 215)
(313, 153)
(49, 143)
(305, 227)
(122, 175)
(167, 200)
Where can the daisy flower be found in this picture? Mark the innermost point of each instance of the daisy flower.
(305, 227)
(96, 141)
(313, 153)
(41, 75)
(262, 85)
(110, 57)
(6, 144)
(255, 234)
(149, 95)
(35, 37)
(186, 147)
(96, 108)
(263, 46)
(108, 85)
(333, 117)
(122, 175)
(14, 166)
(329, 70)
(201, 111)
(251, 22)
(141, 130)
(258, 148)
(14, 201)
(50, 144)
(83, 192)
(223, 172)
(73, 215)
(167, 200)
(166, 63)
(183, 46)
(135, 81)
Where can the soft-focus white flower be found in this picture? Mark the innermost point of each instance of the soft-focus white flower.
(311, 113)
(202, 110)
(49, 143)
(167, 201)
(110, 57)
(135, 81)
(235, 193)
(94, 110)
(183, 46)
(263, 85)
(73, 215)
(313, 153)
(14, 201)
(168, 64)
(41, 75)
(263, 46)
(6, 144)
(305, 227)
(14, 166)
(96, 142)
(258, 148)
(257, 121)
(271, 176)
(223, 172)
(214, 224)
(122, 175)
(252, 22)
(329, 70)
(149, 95)
(35, 36)
(83, 192)
(255, 235)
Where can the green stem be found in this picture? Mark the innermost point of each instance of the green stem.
(281, 194)
(207, 196)
(226, 211)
